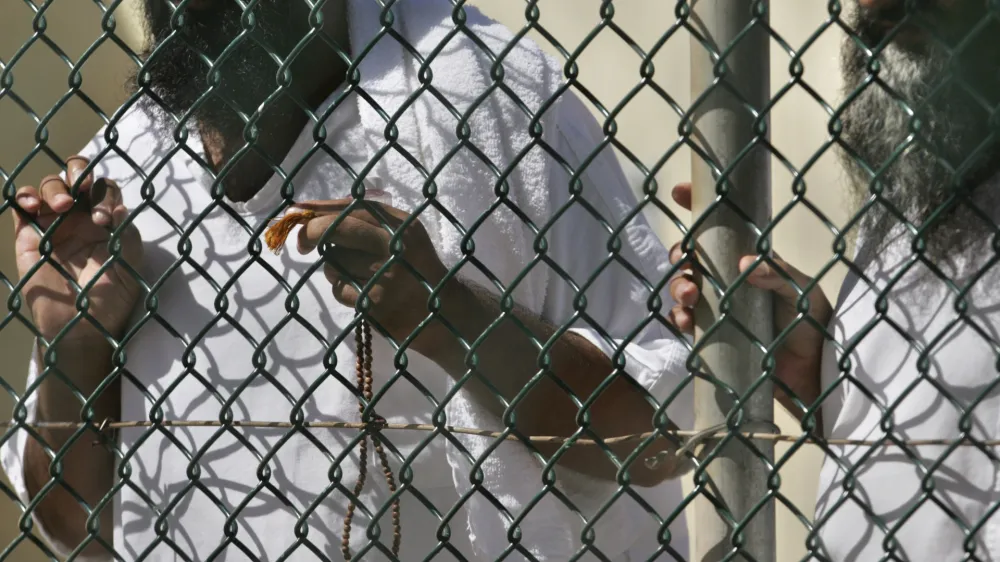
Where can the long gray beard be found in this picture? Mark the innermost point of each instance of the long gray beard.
(921, 185)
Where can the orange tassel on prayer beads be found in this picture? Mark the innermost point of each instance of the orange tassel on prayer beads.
(276, 234)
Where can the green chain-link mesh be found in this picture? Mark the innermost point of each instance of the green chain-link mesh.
(649, 200)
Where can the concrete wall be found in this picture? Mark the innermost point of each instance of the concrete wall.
(609, 69)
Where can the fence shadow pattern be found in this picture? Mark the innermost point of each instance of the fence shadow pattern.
(14, 312)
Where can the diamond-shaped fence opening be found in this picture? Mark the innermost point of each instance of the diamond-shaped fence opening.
(395, 280)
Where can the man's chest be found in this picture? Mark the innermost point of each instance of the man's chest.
(222, 316)
(913, 351)
(913, 356)
(229, 330)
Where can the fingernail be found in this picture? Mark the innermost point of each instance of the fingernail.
(98, 191)
(27, 201)
(62, 199)
(763, 270)
(100, 217)
(73, 170)
(689, 297)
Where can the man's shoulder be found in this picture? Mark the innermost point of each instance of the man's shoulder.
(499, 37)
(129, 145)
(523, 59)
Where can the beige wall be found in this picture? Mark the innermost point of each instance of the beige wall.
(608, 67)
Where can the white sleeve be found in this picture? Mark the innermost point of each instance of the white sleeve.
(619, 315)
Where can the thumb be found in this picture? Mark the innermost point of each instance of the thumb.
(775, 277)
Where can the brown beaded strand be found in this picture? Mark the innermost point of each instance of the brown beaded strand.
(275, 237)
(363, 339)
(359, 484)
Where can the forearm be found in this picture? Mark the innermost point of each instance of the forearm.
(87, 469)
(803, 381)
(509, 359)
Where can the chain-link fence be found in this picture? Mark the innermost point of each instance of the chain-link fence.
(500, 371)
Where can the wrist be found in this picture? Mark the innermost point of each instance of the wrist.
(83, 332)
(78, 339)
(75, 351)
(435, 338)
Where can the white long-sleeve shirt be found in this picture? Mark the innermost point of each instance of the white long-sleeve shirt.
(921, 363)
(224, 337)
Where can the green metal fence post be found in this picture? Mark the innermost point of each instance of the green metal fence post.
(730, 74)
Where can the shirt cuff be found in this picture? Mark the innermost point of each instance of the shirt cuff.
(657, 361)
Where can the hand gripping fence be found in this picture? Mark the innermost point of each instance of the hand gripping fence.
(735, 483)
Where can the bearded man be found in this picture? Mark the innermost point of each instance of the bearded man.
(910, 352)
(493, 169)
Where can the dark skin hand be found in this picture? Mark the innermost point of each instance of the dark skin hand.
(798, 360)
(507, 358)
(83, 355)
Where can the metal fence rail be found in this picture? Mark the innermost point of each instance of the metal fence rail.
(736, 482)
(731, 196)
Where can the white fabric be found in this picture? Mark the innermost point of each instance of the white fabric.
(858, 516)
(193, 259)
